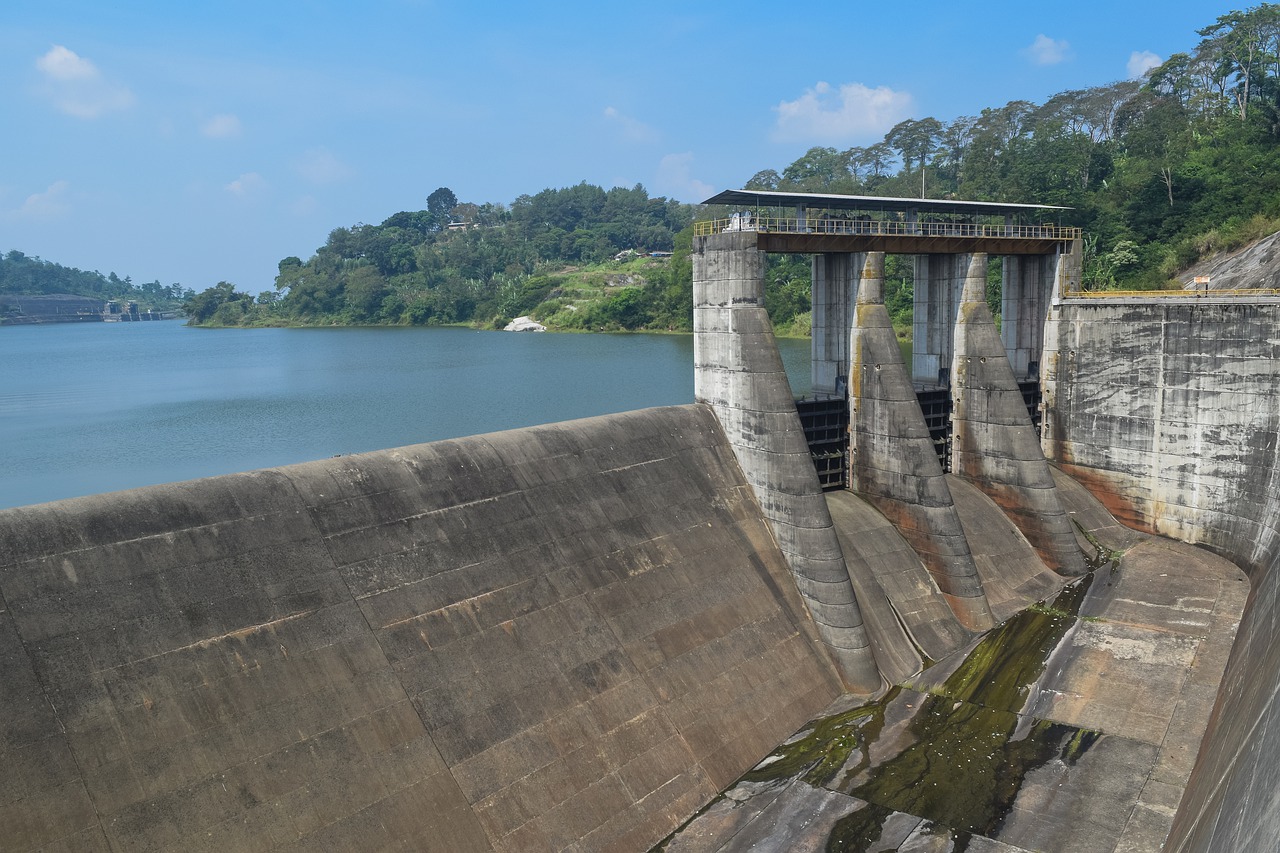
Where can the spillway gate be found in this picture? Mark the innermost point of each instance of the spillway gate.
(825, 420)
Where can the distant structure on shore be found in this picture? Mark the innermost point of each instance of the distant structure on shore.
(23, 310)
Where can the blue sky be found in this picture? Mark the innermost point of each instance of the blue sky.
(205, 141)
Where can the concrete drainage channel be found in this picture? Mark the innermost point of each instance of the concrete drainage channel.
(1072, 726)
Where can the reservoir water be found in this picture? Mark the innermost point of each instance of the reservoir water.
(89, 408)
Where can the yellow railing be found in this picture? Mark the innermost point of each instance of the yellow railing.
(881, 228)
(1188, 292)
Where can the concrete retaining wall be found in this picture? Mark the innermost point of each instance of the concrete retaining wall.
(566, 637)
(1170, 411)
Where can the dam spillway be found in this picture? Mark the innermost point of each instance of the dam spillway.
(575, 637)
(451, 647)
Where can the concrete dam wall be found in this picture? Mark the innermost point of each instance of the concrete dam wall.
(577, 636)
(565, 637)
(1169, 409)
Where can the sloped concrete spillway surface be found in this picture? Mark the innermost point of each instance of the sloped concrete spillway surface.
(566, 637)
(1072, 727)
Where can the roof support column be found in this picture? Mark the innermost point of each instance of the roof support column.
(938, 281)
(1024, 304)
(834, 287)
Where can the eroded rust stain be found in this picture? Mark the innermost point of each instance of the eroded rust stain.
(1106, 489)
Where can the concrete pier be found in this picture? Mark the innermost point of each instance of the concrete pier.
(739, 372)
(994, 444)
(939, 280)
(833, 290)
(1026, 286)
(893, 462)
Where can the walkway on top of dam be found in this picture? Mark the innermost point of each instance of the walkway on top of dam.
(824, 222)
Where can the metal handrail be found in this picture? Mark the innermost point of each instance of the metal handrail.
(881, 228)
(1198, 294)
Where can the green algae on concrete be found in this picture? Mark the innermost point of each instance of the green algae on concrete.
(955, 756)
(823, 748)
(1007, 662)
(962, 769)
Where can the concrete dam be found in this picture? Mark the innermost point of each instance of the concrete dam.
(1004, 629)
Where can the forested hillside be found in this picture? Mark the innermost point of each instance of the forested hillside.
(23, 275)
(459, 262)
(1159, 172)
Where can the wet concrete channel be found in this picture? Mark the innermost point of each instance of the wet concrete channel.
(1073, 726)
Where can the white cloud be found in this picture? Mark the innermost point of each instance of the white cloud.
(675, 178)
(830, 115)
(1047, 51)
(77, 87)
(63, 64)
(224, 126)
(633, 130)
(49, 204)
(1142, 61)
(247, 184)
(320, 166)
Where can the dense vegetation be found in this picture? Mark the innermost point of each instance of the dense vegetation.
(23, 275)
(454, 263)
(1158, 171)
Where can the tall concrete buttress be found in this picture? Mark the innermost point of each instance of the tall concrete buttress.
(993, 442)
(892, 458)
(938, 281)
(835, 282)
(738, 371)
(1026, 288)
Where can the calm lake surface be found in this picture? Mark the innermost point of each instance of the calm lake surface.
(100, 407)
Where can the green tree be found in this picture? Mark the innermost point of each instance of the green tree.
(439, 205)
(914, 140)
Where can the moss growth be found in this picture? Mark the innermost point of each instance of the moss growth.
(963, 750)
(826, 746)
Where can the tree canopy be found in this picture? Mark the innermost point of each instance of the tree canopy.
(1156, 171)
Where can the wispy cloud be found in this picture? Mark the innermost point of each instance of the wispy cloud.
(223, 126)
(836, 115)
(321, 166)
(42, 206)
(1047, 51)
(632, 130)
(1142, 61)
(77, 87)
(675, 178)
(247, 184)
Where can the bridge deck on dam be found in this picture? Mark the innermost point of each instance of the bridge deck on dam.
(1071, 728)
(826, 222)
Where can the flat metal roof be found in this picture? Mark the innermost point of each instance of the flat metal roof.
(769, 198)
